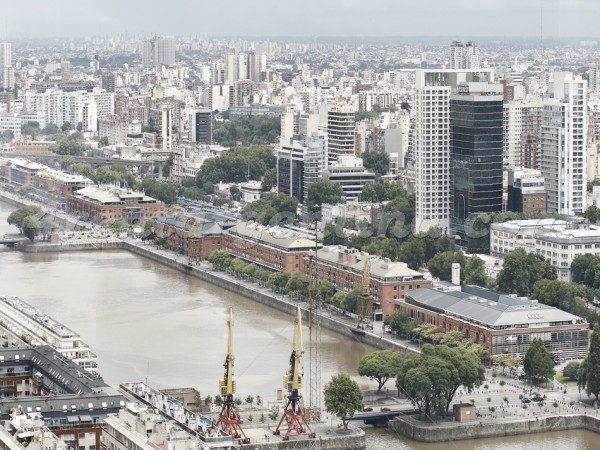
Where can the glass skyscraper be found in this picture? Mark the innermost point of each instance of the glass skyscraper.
(476, 145)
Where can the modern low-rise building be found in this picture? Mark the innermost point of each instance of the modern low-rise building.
(502, 323)
(557, 241)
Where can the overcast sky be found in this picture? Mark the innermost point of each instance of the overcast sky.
(50, 18)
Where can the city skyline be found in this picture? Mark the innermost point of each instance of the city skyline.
(542, 19)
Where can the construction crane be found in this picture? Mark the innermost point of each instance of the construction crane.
(229, 418)
(365, 303)
(293, 413)
(313, 411)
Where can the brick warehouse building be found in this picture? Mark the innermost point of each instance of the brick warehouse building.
(194, 235)
(283, 250)
(105, 204)
(502, 323)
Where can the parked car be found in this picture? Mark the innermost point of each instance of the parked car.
(525, 400)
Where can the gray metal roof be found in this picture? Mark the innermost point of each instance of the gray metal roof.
(491, 309)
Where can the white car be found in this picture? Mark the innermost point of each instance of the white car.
(387, 328)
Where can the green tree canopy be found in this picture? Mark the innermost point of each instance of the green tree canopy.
(271, 208)
(278, 281)
(431, 379)
(592, 365)
(381, 191)
(521, 271)
(440, 265)
(333, 234)
(165, 192)
(571, 370)
(538, 364)
(323, 191)
(380, 366)
(254, 131)
(31, 227)
(236, 165)
(7, 136)
(376, 162)
(18, 216)
(342, 397)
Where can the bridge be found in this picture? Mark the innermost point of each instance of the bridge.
(382, 417)
(82, 159)
(11, 243)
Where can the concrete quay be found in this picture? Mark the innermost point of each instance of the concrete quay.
(430, 432)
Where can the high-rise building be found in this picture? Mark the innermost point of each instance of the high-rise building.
(564, 140)
(7, 74)
(340, 132)
(201, 126)
(108, 81)
(464, 56)
(158, 50)
(257, 64)
(431, 143)
(351, 174)
(475, 152)
(161, 123)
(300, 162)
(522, 133)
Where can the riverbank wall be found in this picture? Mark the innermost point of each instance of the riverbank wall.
(443, 432)
(264, 296)
(354, 440)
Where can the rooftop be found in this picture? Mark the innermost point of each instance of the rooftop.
(276, 236)
(489, 308)
(105, 194)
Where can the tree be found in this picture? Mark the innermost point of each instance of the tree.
(65, 127)
(412, 252)
(522, 270)
(50, 129)
(342, 397)
(271, 208)
(46, 227)
(592, 214)
(538, 364)
(31, 227)
(376, 162)
(321, 192)
(432, 378)
(218, 400)
(440, 265)
(167, 166)
(580, 265)
(18, 216)
(381, 191)
(236, 165)
(380, 366)
(274, 412)
(30, 128)
(474, 272)
(333, 234)
(400, 323)
(571, 370)
(256, 130)
(592, 367)
(505, 361)
(250, 400)
(219, 259)
(298, 283)
(278, 281)
(103, 142)
(7, 136)
(269, 179)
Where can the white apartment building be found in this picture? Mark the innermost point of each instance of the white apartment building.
(557, 241)
(58, 107)
(432, 142)
(564, 141)
(508, 236)
(11, 122)
(522, 133)
(340, 132)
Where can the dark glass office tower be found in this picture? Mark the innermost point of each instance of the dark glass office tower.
(476, 112)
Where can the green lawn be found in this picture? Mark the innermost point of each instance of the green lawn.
(563, 380)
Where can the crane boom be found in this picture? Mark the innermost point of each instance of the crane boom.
(227, 384)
